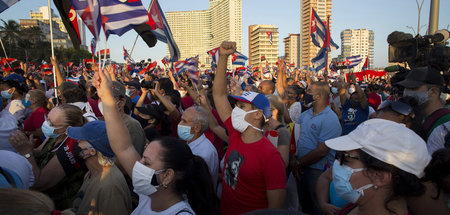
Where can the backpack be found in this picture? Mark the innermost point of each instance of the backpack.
(434, 120)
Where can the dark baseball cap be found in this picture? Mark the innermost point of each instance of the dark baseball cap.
(134, 83)
(422, 75)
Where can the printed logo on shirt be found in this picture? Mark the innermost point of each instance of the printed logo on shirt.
(351, 114)
(313, 126)
(232, 167)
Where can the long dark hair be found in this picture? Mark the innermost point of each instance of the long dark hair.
(404, 184)
(437, 170)
(192, 176)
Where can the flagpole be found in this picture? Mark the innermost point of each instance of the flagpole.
(132, 48)
(51, 43)
(6, 56)
(328, 43)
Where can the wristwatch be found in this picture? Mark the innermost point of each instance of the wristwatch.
(27, 155)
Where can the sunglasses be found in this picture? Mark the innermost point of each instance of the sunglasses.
(397, 106)
(343, 156)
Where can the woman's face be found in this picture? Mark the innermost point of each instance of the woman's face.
(357, 179)
(152, 156)
(56, 119)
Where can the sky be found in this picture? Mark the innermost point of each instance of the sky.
(381, 16)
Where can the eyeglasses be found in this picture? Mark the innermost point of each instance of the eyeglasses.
(397, 106)
(342, 156)
(51, 124)
(81, 154)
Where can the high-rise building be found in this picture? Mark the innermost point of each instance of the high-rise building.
(291, 49)
(307, 49)
(259, 44)
(43, 16)
(358, 42)
(197, 32)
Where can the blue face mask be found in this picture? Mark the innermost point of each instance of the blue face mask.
(48, 130)
(26, 102)
(341, 179)
(334, 90)
(184, 132)
(6, 95)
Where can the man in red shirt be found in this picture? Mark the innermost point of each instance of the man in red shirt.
(254, 172)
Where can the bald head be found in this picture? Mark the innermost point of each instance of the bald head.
(266, 87)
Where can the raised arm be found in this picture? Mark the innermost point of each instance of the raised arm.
(118, 135)
(213, 124)
(362, 95)
(220, 82)
(59, 78)
(281, 80)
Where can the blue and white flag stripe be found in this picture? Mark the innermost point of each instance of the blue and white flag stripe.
(355, 60)
(240, 59)
(122, 16)
(5, 4)
(318, 37)
(319, 61)
(165, 36)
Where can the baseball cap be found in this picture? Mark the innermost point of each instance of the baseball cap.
(259, 100)
(422, 75)
(118, 89)
(134, 83)
(95, 133)
(388, 141)
(14, 77)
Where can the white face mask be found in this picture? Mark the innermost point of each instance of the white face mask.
(144, 179)
(351, 90)
(238, 120)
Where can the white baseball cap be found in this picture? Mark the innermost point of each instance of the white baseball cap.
(388, 141)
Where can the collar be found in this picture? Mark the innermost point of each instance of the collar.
(197, 141)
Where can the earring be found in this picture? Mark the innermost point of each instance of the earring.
(375, 187)
(164, 186)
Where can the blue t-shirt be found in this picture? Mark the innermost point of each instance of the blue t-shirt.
(352, 117)
(315, 129)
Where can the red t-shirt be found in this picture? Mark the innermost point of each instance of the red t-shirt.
(94, 106)
(35, 120)
(374, 100)
(187, 102)
(249, 171)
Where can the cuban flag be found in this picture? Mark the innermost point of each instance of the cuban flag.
(319, 61)
(179, 67)
(366, 63)
(165, 60)
(89, 12)
(162, 30)
(191, 66)
(319, 32)
(120, 16)
(238, 58)
(126, 56)
(93, 46)
(269, 34)
(214, 53)
(353, 61)
(5, 4)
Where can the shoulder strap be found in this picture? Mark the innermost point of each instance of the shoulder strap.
(435, 116)
(184, 210)
(279, 126)
(8, 177)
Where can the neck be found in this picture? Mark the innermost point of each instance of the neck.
(318, 107)
(34, 107)
(378, 207)
(251, 135)
(432, 106)
(272, 123)
(196, 136)
(164, 199)
(94, 167)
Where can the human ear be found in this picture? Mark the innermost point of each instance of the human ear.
(380, 178)
(168, 177)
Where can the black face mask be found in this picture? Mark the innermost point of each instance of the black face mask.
(308, 98)
(142, 121)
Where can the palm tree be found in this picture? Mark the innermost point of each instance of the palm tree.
(10, 31)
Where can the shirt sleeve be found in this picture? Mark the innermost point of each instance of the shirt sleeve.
(283, 136)
(67, 155)
(330, 128)
(274, 171)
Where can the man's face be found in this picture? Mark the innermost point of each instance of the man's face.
(187, 118)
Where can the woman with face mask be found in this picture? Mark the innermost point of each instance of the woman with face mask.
(169, 179)
(370, 171)
(55, 164)
(37, 102)
(14, 94)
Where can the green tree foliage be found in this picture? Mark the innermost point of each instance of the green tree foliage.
(28, 44)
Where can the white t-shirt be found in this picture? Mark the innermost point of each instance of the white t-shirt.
(436, 140)
(144, 208)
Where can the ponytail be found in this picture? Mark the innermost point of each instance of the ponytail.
(192, 177)
(201, 195)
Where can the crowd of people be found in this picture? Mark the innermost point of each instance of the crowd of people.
(107, 141)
